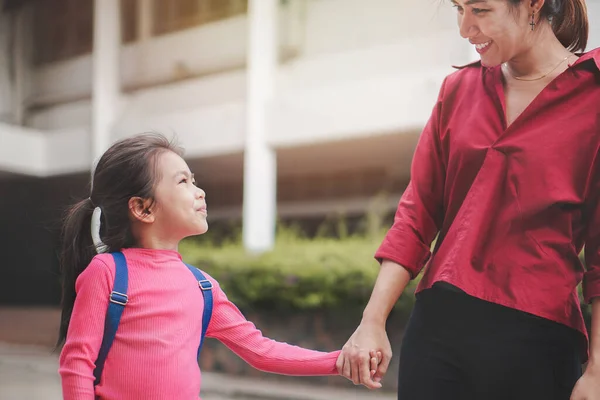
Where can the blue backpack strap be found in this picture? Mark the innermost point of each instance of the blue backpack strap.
(206, 287)
(117, 301)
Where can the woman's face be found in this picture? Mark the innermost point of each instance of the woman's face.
(499, 30)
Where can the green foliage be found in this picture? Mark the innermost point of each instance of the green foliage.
(335, 270)
(300, 273)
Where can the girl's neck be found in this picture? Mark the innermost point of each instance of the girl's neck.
(147, 237)
(157, 243)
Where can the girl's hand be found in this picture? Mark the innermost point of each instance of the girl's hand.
(376, 358)
(588, 386)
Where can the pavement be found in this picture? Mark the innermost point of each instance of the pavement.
(30, 373)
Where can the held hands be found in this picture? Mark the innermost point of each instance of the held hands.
(366, 356)
(588, 386)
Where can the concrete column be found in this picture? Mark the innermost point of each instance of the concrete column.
(106, 81)
(21, 64)
(6, 28)
(260, 170)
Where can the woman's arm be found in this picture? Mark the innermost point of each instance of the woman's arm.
(403, 253)
(370, 336)
(588, 387)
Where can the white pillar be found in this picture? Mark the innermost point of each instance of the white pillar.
(260, 170)
(21, 64)
(6, 105)
(106, 82)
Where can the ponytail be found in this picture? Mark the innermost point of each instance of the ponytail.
(76, 253)
(569, 22)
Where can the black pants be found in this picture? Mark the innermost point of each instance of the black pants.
(457, 347)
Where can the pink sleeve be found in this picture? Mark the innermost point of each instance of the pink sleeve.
(229, 326)
(84, 336)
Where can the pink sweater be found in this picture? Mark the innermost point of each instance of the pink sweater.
(154, 353)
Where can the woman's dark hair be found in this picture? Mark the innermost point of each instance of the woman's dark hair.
(569, 21)
(127, 169)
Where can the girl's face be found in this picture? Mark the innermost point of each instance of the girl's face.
(180, 208)
(498, 30)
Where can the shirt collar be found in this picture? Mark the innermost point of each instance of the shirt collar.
(583, 57)
(590, 55)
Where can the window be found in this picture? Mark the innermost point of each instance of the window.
(65, 28)
(62, 29)
(129, 20)
(181, 14)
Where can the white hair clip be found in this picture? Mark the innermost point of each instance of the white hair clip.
(95, 230)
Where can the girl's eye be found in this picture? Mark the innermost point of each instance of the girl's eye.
(479, 11)
(458, 8)
(184, 180)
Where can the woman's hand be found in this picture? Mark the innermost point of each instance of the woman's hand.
(588, 386)
(366, 356)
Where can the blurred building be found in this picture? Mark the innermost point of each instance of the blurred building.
(325, 97)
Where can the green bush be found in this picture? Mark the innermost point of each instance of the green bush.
(299, 274)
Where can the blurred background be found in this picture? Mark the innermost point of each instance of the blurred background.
(299, 119)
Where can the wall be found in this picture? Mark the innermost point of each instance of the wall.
(22, 150)
(594, 16)
(356, 71)
(353, 75)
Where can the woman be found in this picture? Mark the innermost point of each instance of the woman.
(507, 171)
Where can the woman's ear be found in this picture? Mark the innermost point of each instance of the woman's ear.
(141, 209)
(536, 5)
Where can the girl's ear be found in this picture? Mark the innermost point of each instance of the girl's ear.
(141, 209)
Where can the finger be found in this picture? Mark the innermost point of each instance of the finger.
(339, 364)
(365, 372)
(346, 369)
(355, 365)
(374, 362)
(383, 366)
(375, 377)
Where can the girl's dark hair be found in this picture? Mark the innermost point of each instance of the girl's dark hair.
(569, 21)
(127, 169)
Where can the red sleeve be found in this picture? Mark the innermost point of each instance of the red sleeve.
(591, 278)
(229, 326)
(86, 329)
(420, 210)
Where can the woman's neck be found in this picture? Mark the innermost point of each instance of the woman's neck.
(541, 57)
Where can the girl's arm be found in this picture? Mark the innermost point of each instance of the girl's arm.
(229, 326)
(84, 337)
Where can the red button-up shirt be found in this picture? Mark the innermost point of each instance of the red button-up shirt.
(513, 205)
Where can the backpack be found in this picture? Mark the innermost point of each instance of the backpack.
(118, 300)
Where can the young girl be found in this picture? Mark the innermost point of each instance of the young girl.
(148, 201)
